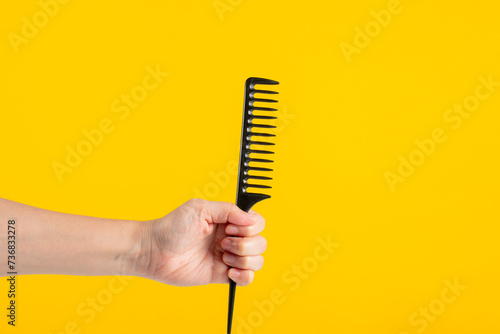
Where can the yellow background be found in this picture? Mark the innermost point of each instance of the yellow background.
(346, 124)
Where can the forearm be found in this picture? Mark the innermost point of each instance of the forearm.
(50, 242)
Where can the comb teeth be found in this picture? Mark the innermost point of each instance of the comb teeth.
(261, 109)
(263, 126)
(253, 113)
(257, 177)
(257, 151)
(251, 102)
(262, 117)
(260, 134)
(260, 81)
(252, 94)
(248, 160)
(260, 169)
(251, 142)
(248, 185)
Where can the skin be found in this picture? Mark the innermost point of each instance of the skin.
(200, 242)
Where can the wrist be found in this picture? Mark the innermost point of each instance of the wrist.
(136, 258)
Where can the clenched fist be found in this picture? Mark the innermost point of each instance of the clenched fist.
(199, 242)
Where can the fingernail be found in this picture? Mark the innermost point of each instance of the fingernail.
(232, 230)
(229, 257)
(234, 273)
(226, 243)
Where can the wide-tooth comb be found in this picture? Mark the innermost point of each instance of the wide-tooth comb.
(253, 141)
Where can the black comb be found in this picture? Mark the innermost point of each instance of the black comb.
(253, 155)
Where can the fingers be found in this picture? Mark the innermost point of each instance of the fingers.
(254, 245)
(243, 262)
(243, 251)
(225, 212)
(241, 277)
(247, 230)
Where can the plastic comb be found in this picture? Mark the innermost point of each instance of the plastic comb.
(255, 135)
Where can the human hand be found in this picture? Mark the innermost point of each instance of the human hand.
(200, 241)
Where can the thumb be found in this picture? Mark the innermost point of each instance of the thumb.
(225, 212)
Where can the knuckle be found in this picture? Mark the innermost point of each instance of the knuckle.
(246, 230)
(240, 245)
(195, 202)
(244, 261)
(249, 277)
(261, 262)
(264, 244)
(263, 222)
(257, 263)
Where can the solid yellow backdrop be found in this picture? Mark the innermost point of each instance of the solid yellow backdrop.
(384, 216)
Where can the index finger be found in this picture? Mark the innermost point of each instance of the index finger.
(247, 230)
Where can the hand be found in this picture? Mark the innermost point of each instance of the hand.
(200, 241)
